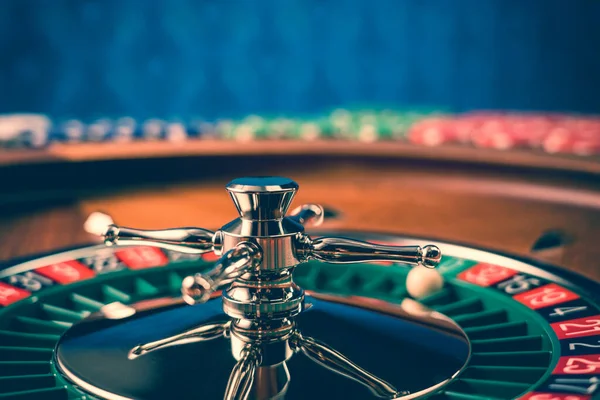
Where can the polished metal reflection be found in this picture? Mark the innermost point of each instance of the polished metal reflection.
(308, 215)
(262, 199)
(333, 360)
(260, 250)
(242, 377)
(185, 240)
(232, 264)
(199, 334)
(265, 364)
(271, 382)
(279, 298)
(279, 242)
(342, 250)
(252, 355)
(258, 351)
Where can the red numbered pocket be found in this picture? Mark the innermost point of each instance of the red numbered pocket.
(484, 274)
(10, 294)
(581, 327)
(545, 296)
(66, 272)
(210, 257)
(142, 257)
(578, 365)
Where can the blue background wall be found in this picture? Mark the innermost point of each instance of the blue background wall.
(182, 58)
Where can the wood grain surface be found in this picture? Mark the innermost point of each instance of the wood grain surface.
(59, 152)
(494, 208)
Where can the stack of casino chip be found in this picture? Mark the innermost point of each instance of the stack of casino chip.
(365, 125)
(579, 136)
(551, 133)
(24, 130)
(370, 125)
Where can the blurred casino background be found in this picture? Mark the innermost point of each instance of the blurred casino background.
(102, 70)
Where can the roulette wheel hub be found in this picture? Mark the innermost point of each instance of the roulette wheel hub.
(249, 331)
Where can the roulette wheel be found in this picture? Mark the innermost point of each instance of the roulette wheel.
(421, 275)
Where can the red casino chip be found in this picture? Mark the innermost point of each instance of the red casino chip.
(587, 139)
(495, 133)
(432, 132)
(579, 136)
(537, 129)
(463, 129)
(511, 131)
(559, 140)
(586, 147)
(531, 130)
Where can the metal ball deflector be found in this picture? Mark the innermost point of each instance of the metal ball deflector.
(259, 252)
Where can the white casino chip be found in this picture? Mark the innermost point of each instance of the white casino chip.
(14, 127)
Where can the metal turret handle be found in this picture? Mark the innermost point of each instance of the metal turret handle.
(184, 240)
(190, 240)
(232, 264)
(341, 250)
